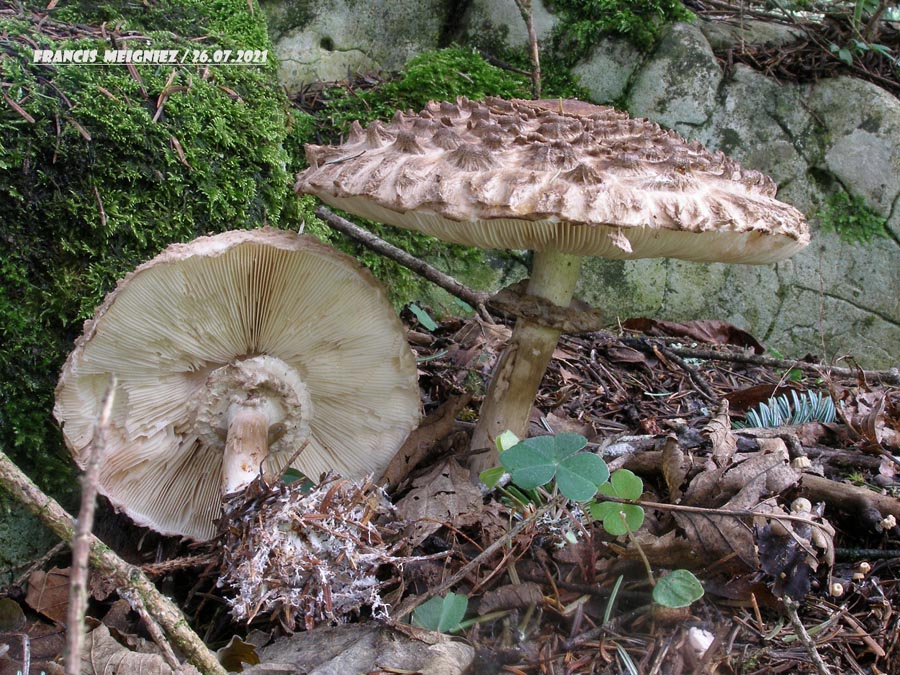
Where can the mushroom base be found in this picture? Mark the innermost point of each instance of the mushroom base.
(514, 385)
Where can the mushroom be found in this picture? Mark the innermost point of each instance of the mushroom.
(231, 353)
(565, 179)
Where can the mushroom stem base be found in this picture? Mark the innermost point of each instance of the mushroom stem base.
(246, 448)
(518, 375)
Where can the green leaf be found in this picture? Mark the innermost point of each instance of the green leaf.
(579, 475)
(442, 614)
(609, 513)
(535, 461)
(679, 588)
(491, 477)
(424, 319)
(623, 484)
(566, 445)
(506, 440)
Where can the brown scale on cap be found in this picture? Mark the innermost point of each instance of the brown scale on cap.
(565, 179)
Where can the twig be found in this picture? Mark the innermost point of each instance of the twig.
(790, 607)
(407, 607)
(111, 565)
(527, 12)
(891, 376)
(420, 267)
(78, 578)
(529, 307)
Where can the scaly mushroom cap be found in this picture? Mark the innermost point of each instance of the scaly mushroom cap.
(576, 177)
(262, 318)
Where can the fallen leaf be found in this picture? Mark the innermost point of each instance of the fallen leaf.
(48, 593)
(705, 330)
(511, 596)
(436, 498)
(103, 655)
(236, 653)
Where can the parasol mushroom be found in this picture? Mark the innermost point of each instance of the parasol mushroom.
(565, 179)
(231, 353)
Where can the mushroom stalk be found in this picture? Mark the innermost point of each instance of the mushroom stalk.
(518, 375)
(246, 448)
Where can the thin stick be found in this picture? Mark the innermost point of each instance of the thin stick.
(791, 607)
(527, 12)
(111, 565)
(81, 545)
(461, 574)
(536, 310)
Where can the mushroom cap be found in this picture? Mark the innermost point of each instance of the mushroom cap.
(280, 313)
(580, 178)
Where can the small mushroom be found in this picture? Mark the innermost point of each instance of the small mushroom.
(565, 179)
(231, 352)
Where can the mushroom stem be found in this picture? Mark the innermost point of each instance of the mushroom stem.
(518, 375)
(246, 448)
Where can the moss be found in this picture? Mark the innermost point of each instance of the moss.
(851, 219)
(582, 22)
(115, 165)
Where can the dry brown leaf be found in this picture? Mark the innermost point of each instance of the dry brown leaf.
(48, 593)
(511, 596)
(724, 442)
(236, 653)
(436, 498)
(103, 655)
(674, 467)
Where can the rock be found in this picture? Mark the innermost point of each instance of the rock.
(747, 124)
(863, 125)
(329, 39)
(488, 23)
(606, 73)
(721, 35)
(677, 85)
(23, 539)
(363, 648)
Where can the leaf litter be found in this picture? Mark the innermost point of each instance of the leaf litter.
(756, 514)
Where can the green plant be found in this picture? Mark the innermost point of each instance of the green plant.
(582, 22)
(442, 613)
(851, 219)
(536, 461)
(809, 406)
(579, 476)
(618, 518)
(678, 588)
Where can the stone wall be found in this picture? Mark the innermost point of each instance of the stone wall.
(835, 298)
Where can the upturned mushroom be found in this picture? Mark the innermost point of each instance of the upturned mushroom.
(231, 353)
(565, 179)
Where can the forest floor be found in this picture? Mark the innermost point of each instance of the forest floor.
(560, 594)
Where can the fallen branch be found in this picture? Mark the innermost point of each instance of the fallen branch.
(81, 544)
(891, 376)
(110, 565)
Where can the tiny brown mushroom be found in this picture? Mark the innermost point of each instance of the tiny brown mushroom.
(565, 179)
(230, 353)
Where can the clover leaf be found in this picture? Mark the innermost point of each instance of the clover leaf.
(536, 461)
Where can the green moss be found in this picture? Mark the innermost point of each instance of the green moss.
(106, 166)
(849, 216)
(582, 22)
